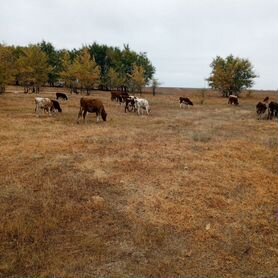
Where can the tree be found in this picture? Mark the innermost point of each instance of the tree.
(7, 67)
(137, 79)
(108, 64)
(114, 79)
(68, 74)
(54, 60)
(33, 67)
(86, 71)
(231, 75)
(155, 83)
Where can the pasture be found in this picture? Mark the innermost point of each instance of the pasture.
(179, 193)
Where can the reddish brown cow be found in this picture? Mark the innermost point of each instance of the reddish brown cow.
(90, 105)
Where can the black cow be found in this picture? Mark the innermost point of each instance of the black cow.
(56, 106)
(261, 108)
(61, 96)
(185, 101)
(233, 100)
(130, 104)
(272, 110)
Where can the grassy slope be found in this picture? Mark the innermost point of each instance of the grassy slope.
(178, 193)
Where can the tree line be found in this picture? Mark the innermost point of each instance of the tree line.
(93, 66)
(104, 67)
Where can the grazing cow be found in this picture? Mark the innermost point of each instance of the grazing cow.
(142, 104)
(272, 110)
(43, 104)
(233, 100)
(56, 106)
(261, 108)
(185, 101)
(122, 99)
(130, 104)
(118, 96)
(92, 106)
(61, 96)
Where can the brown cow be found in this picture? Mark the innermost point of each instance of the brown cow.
(91, 105)
(119, 96)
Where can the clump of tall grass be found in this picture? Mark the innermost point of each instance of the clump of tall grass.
(203, 137)
(202, 96)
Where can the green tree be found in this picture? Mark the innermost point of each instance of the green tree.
(231, 75)
(149, 69)
(7, 66)
(33, 67)
(54, 59)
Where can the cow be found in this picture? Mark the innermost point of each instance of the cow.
(61, 96)
(185, 101)
(118, 96)
(261, 108)
(142, 104)
(91, 105)
(56, 106)
(233, 100)
(130, 104)
(43, 104)
(272, 110)
(122, 99)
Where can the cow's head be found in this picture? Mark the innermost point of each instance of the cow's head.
(103, 114)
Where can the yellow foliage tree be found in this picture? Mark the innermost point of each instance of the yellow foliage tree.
(86, 71)
(137, 79)
(33, 67)
(68, 74)
(114, 79)
(7, 67)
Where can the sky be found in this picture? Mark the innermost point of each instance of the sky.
(180, 37)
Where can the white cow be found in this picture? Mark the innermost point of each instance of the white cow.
(142, 104)
(43, 104)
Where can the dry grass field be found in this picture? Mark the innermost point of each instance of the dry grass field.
(179, 193)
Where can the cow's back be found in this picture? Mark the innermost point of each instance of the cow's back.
(90, 103)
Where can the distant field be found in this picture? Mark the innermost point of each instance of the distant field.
(179, 193)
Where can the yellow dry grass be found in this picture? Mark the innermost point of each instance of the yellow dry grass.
(179, 193)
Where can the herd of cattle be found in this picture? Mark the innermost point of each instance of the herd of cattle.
(135, 104)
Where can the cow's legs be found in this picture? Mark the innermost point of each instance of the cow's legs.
(97, 113)
(37, 110)
(79, 115)
(84, 115)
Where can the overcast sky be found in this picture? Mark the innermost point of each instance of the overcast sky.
(180, 37)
